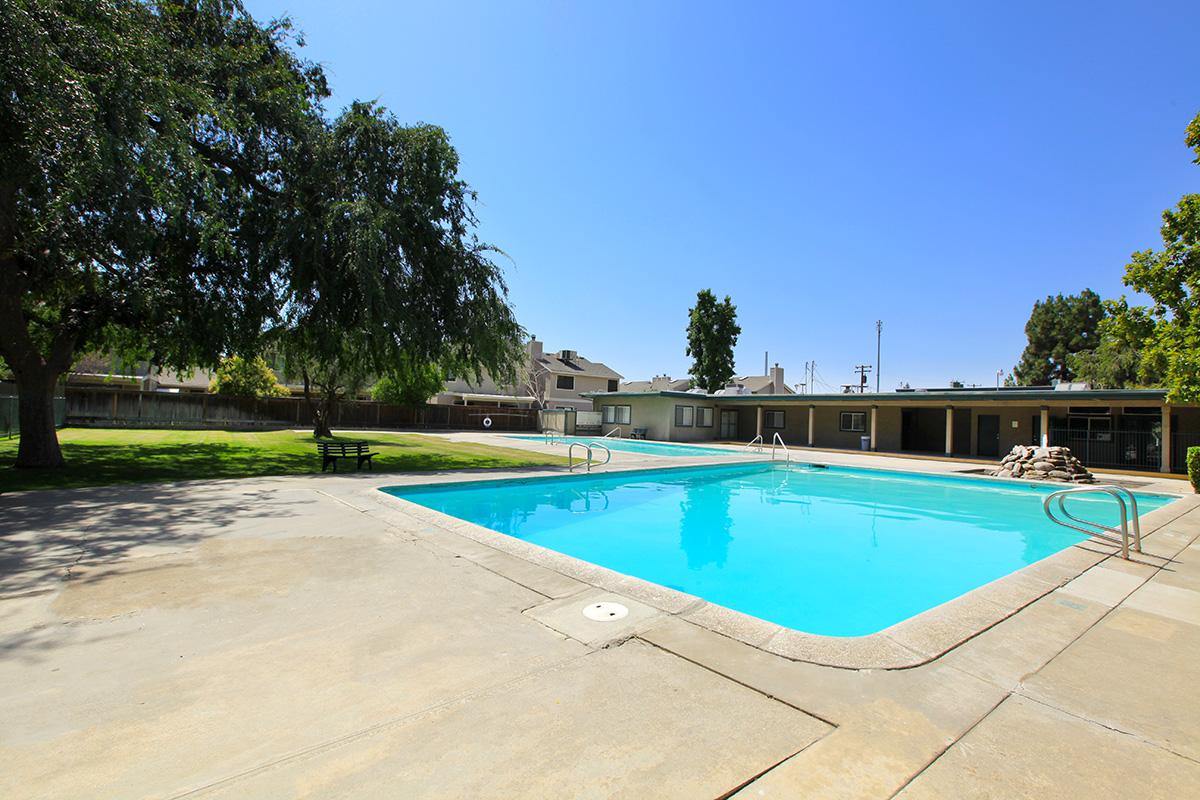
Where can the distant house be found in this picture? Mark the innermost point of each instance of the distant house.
(549, 380)
(111, 372)
(771, 383)
(659, 383)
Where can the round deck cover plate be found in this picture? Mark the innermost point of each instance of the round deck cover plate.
(605, 612)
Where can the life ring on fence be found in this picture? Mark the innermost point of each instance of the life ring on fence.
(487, 422)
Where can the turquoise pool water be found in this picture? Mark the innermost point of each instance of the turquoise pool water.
(837, 551)
(641, 446)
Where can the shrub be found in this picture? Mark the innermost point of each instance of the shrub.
(409, 384)
(1193, 467)
(239, 377)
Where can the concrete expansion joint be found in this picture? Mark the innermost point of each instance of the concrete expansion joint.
(584, 589)
(1104, 725)
(751, 780)
(719, 673)
(337, 499)
(696, 605)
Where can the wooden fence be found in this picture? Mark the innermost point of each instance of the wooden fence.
(121, 407)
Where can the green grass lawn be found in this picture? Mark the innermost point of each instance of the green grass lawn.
(100, 456)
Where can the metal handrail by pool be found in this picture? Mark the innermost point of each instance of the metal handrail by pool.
(1099, 530)
(587, 461)
(757, 440)
(779, 440)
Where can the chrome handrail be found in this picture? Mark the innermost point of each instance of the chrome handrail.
(571, 452)
(607, 454)
(1099, 530)
(757, 440)
(588, 460)
(616, 430)
(779, 440)
(548, 436)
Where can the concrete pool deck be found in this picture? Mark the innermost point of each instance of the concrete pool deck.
(279, 637)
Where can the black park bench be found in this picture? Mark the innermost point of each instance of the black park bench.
(332, 451)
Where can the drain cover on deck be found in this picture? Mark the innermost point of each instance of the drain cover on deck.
(605, 612)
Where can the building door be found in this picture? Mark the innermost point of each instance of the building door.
(729, 424)
(989, 434)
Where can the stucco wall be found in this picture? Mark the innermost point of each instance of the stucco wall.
(693, 433)
(583, 383)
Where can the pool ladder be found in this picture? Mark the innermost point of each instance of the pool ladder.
(588, 460)
(1121, 535)
(778, 440)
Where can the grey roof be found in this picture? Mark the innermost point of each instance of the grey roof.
(578, 365)
(756, 383)
(656, 384)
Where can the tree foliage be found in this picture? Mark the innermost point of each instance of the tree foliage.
(246, 377)
(1059, 327)
(1118, 360)
(712, 333)
(409, 383)
(385, 266)
(1170, 327)
(139, 182)
(170, 186)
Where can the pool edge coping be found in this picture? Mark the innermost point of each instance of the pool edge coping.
(912, 642)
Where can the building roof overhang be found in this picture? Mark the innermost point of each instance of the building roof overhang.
(955, 397)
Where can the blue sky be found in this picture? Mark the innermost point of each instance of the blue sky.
(938, 166)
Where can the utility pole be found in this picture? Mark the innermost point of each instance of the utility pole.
(765, 370)
(878, 336)
(862, 370)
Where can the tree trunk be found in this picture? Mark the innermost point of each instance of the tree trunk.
(38, 446)
(323, 419)
(321, 423)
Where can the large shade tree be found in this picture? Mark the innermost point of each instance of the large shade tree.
(141, 156)
(386, 270)
(1170, 344)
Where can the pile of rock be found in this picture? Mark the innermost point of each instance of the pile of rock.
(1043, 464)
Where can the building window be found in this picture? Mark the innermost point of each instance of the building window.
(612, 386)
(684, 416)
(852, 421)
(616, 415)
(565, 382)
(703, 417)
(774, 419)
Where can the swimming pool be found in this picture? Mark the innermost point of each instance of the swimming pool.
(836, 551)
(642, 446)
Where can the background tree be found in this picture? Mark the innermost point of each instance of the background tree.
(1059, 327)
(712, 333)
(1118, 361)
(409, 383)
(535, 381)
(141, 147)
(1171, 277)
(246, 377)
(383, 262)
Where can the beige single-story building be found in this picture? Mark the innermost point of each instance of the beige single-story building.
(1117, 429)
